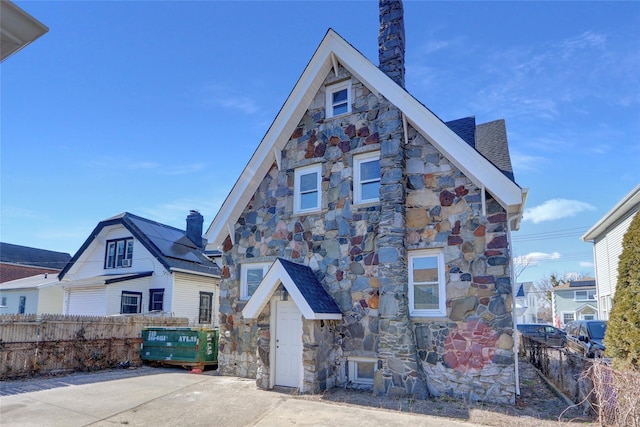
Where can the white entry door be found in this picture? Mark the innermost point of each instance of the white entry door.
(288, 344)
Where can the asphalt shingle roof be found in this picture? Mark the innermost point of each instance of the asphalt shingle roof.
(310, 287)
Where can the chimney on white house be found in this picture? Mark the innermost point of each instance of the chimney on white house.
(391, 40)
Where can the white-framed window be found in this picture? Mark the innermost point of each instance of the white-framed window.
(568, 317)
(4, 302)
(307, 189)
(130, 302)
(339, 99)
(251, 276)
(362, 369)
(585, 295)
(427, 285)
(119, 253)
(366, 179)
(22, 304)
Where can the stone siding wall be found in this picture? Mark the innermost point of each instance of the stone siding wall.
(359, 253)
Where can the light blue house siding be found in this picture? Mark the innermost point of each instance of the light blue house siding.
(575, 300)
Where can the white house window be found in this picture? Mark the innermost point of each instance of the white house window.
(585, 295)
(4, 302)
(130, 302)
(427, 283)
(251, 276)
(362, 370)
(119, 253)
(307, 189)
(366, 185)
(205, 307)
(156, 299)
(22, 304)
(339, 99)
(568, 317)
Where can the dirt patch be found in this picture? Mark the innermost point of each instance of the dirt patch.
(537, 406)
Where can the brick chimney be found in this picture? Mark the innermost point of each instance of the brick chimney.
(391, 40)
(194, 228)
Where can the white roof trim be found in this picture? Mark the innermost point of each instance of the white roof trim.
(618, 211)
(276, 275)
(463, 156)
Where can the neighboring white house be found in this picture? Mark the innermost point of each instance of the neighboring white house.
(527, 303)
(133, 265)
(606, 236)
(31, 295)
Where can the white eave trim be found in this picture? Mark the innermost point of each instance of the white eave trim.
(196, 273)
(277, 275)
(334, 48)
(618, 211)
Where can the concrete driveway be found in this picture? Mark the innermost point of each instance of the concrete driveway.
(172, 397)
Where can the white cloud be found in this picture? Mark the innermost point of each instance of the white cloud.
(534, 258)
(586, 264)
(555, 209)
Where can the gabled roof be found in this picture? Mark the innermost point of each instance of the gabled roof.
(629, 204)
(334, 50)
(24, 255)
(301, 284)
(167, 244)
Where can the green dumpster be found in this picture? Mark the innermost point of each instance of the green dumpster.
(193, 347)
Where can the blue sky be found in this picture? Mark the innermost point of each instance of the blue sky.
(155, 107)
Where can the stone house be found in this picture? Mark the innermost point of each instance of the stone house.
(367, 243)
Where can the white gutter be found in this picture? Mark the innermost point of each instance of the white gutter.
(197, 273)
(513, 310)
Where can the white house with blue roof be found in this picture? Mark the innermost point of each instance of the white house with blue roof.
(132, 265)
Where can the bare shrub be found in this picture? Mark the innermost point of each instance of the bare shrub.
(616, 395)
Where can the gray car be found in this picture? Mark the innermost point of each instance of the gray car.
(550, 335)
(585, 337)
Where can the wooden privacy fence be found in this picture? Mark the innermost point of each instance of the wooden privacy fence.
(51, 343)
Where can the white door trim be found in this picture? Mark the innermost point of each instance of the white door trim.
(273, 347)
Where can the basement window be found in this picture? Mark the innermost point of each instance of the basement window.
(339, 99)
(362, 369)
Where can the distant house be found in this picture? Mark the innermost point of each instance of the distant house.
(18, 261)
(527, 303)
(606, 236)
(31, 295)
(18, 29)
(134, 265)
(367, 243)
(575, 300)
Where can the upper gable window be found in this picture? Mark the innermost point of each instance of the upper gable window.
(307, 194)
(119, 253)
(366, 185)
(427, 283)
(339, 99)
(252, 275)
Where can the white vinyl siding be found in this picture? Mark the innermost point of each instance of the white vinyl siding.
(114, 293)
(186, 301)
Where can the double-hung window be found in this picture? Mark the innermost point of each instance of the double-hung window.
(339, 99)
(251, 276)
(130, 302)
(366, 186)
(156, 299)
(205, 308)
(119, 253)
(427, 283)
(307, 189)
